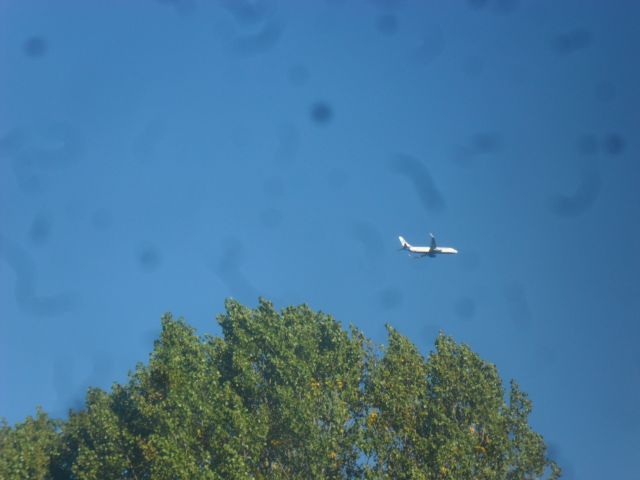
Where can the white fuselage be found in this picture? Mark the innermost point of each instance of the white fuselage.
(431, 251)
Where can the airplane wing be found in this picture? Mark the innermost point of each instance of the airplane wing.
(433, 242)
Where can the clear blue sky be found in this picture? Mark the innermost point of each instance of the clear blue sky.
(163, 155)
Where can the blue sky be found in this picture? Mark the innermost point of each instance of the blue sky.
(163, 155)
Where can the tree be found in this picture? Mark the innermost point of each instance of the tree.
(26, 449)
(284, 395)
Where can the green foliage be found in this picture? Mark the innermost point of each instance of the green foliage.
(288, 395)
(26, 449)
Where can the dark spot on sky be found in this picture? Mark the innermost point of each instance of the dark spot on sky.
(149, 258)
(63, 381)
(232, 255)
(465, 308)
(149, 337)
(588, 144)
(418, 174)
(40, 229)
(387, 24)
(572, 41)
(271, 218)
(517, 304)
(390, 298)
(258, 31)
(554, 452)
(486, 143)
(370, 246)
(261, 41)
(483, 143)
(228, 269)
(25, 284)
(321, 113)
(35, 47)
(582, 200)
(76, 402)
(102, 367)
(35, 153)
(614, 144)
(369, 238)
(247, 12)
(69, 394)
(298, 75)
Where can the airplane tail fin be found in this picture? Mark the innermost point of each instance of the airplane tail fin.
(404, 243)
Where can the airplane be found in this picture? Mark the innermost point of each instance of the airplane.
(430, 251)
